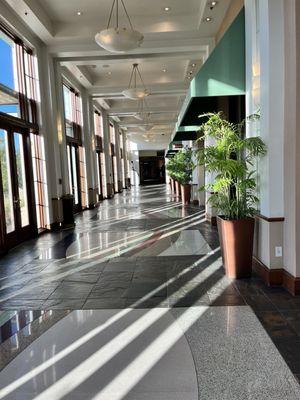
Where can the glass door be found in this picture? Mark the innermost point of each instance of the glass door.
(74, 176)
(16, 200)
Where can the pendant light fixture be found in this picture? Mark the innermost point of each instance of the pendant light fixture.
(134, 92)
(119, 39)
(144, 115)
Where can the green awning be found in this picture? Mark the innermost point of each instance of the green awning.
(220, 83)
(182, 133)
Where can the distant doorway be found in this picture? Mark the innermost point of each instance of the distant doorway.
(152, 170)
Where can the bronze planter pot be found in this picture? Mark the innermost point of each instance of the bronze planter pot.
(177, 189)
(186, 194)
(236, 241)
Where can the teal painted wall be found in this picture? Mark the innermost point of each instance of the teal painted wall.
(224, 72)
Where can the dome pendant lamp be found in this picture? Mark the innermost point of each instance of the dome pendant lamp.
(133, 92)
(119, 39)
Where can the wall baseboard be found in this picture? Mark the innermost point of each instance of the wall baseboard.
(272, 277)
(291, 284)
(277, 277)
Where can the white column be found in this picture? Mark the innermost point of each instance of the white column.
(106, 145)
(272, 105)
(61, 129)
(89, 145)
(292, 138)
(118, 156)
(264, 90)
(125, 156)
(48, 129)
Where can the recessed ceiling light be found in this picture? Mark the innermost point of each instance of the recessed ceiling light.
(193, 65)
(189, 77)
(214, 3)
(191, 72)
(109, 73)
(167, 8)
(79, 13)
(164, 70)
(208, 19)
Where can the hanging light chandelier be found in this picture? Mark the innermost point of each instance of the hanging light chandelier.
(119, 39)
(134, 92)
(144, 115)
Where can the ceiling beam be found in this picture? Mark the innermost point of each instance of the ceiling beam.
(35, 17)
(177, 89)
(130, 111)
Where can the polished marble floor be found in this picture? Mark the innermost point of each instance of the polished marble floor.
(133, 304)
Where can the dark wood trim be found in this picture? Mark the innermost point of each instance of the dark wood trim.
(277, 277)
(8, 120)
(291, 283)
(271, 277)
(274, 219)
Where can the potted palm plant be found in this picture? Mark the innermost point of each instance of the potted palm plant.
(231, 158)
(184, 169)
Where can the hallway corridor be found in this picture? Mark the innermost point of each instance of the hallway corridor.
(133, 304)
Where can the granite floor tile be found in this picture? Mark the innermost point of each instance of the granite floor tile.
(139, 290)
(290, 350)
(293, 319)
(22, 305)
(153, 302)
(72, 290)
(120, 267)
(104, 303)
(285, 301)
(64, 304)
(276, 325)
(100, 292)
(85, 277)
(259, 302)
(226, 300)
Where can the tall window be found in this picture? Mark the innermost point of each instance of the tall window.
(112, 134)
(100, 156)
(75, 148)
(26, 176)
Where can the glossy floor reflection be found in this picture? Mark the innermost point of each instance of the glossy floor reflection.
(133, 304)
(152, 354)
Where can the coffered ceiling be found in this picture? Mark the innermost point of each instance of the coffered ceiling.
(176, 43)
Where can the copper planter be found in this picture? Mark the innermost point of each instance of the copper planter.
(186, 194)
(177, 189)
(236, 241)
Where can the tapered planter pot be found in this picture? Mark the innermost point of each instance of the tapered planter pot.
(177, 189)
(186, 194)
(172, 185)
(236, 241)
